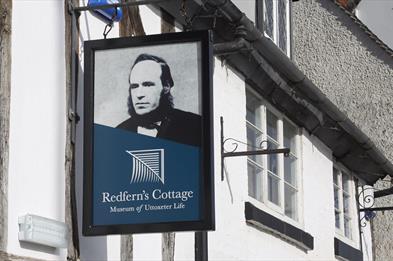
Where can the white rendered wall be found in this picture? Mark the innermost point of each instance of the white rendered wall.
(37, 120)
(147, 246)
(99, 247)
(37, 138)
(377, 15)
(233, 238)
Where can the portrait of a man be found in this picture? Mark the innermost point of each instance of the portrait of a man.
(151, 104)
(148, 132)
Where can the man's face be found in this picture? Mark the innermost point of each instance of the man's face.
(145, 86)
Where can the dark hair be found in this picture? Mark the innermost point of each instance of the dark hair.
(166, 77)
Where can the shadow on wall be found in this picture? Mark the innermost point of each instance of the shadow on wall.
(357, 31)
(91, 248)
(40, 248)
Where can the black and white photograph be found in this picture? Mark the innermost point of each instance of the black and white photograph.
(152, 90)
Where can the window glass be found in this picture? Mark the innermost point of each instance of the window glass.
(337, 216)
(347, 227)
(290, 136)
(272, 125)
(254, 125)
(282, 24)
(335, 176)
(254, 139)
(273, 189)
(253, 115)
(346, 203)
(273, 18)
(290, 166)
(254, 181)
(336, 197)
(290, 163)
(290, 201)
(268, 18)
(272, 159)
(342, 201)
(272, 178)
(345, 182)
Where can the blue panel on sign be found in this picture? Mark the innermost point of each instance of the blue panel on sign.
(140, 179)
(109, 14)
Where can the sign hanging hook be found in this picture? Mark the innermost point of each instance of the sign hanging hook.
(107, 29)
(109, 25)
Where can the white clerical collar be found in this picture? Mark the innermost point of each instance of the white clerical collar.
(149, 132)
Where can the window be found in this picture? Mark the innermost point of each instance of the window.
(273, 18)
(343, 201)
(273, 178)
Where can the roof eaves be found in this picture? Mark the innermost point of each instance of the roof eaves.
(289, 89)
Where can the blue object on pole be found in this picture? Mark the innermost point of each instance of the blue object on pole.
(107, 15)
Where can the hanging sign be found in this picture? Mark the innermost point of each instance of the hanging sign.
(148, 155)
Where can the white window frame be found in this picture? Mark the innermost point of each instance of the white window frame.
(273, 209)
(353, 238)
(275, 37)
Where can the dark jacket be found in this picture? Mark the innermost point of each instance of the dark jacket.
(179, 126)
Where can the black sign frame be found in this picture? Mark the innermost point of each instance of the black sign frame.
(206, 201)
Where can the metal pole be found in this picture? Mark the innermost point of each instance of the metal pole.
(376, 209)
(129, 3)
(201, 246)
(256, 152)
(222, 148)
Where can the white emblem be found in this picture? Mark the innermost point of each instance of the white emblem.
(147, 165)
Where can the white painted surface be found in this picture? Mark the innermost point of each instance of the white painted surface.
(318, 197)
(37, 120)
(377, 15)
(184, 245)
(36, 180)
(98, 247)
(367, 241)
(146, 247)
(233, 238)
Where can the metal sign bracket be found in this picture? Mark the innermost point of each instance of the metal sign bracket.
(366, 203)
(259, 150)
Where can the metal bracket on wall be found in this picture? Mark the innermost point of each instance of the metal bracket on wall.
(128, 3)
(366, 203)
(235, 143)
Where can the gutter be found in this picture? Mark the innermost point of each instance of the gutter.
(259, 45)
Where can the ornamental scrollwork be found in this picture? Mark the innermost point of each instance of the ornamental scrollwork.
(234, 145)
(366, 200)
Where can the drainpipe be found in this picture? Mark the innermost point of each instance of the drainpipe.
(239, 44)
(234, 46)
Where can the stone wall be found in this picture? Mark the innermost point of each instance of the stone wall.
(382, 225)
(347, 65)
(357, 75)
